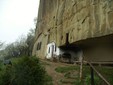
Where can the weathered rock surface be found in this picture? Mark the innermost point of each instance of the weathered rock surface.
(81, 19)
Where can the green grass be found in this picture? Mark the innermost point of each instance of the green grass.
(70, 75)
(49, 80)
(97, 80)
(78, 82)
(66, 69)
(107, 72)
(67, 82)
(67, 75)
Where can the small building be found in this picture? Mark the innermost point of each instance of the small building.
(57, 52)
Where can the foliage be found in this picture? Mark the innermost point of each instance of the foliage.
(28, 71)
(21, 47)
(96, 80)
(15, 49)
(1, 44)
(67, 74)
(78, 82)
(5, 75)
(107, 72)
(30, 41)
(25, 71)
(48, 80)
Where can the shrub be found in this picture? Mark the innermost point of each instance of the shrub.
(25, 71)
(28, 71)
(5, 75)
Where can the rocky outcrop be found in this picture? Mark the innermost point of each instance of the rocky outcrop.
(80, 19)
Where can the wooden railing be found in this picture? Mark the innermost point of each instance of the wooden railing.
(92, 75)
(93, 69)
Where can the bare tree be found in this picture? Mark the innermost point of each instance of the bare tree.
(30, 41)
(1, 44)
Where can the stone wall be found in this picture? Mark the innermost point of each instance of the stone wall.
(81, 19)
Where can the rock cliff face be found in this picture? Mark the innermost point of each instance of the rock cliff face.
(75, 20)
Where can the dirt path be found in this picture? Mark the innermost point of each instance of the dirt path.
(57, 77)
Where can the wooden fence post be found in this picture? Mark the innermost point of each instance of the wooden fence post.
(81, 68)
(92, 76)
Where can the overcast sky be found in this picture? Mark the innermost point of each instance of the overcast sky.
(16, 18)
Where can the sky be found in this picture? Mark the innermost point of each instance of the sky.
(16, 18)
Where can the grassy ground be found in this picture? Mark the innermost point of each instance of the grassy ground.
(68, 74)
(71, 75)
(66, 69)
(106, 71)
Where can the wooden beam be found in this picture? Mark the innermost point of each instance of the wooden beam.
(85, 62)
(81, 68)
(99, 74)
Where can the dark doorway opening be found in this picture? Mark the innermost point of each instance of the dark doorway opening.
(67, 38)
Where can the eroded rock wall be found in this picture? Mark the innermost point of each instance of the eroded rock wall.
(81, 19)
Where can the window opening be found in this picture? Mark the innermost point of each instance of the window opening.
(38, 46)
(55, 48)
(49, 50)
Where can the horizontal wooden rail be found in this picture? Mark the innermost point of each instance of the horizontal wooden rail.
(85, 62)
(99, 74)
